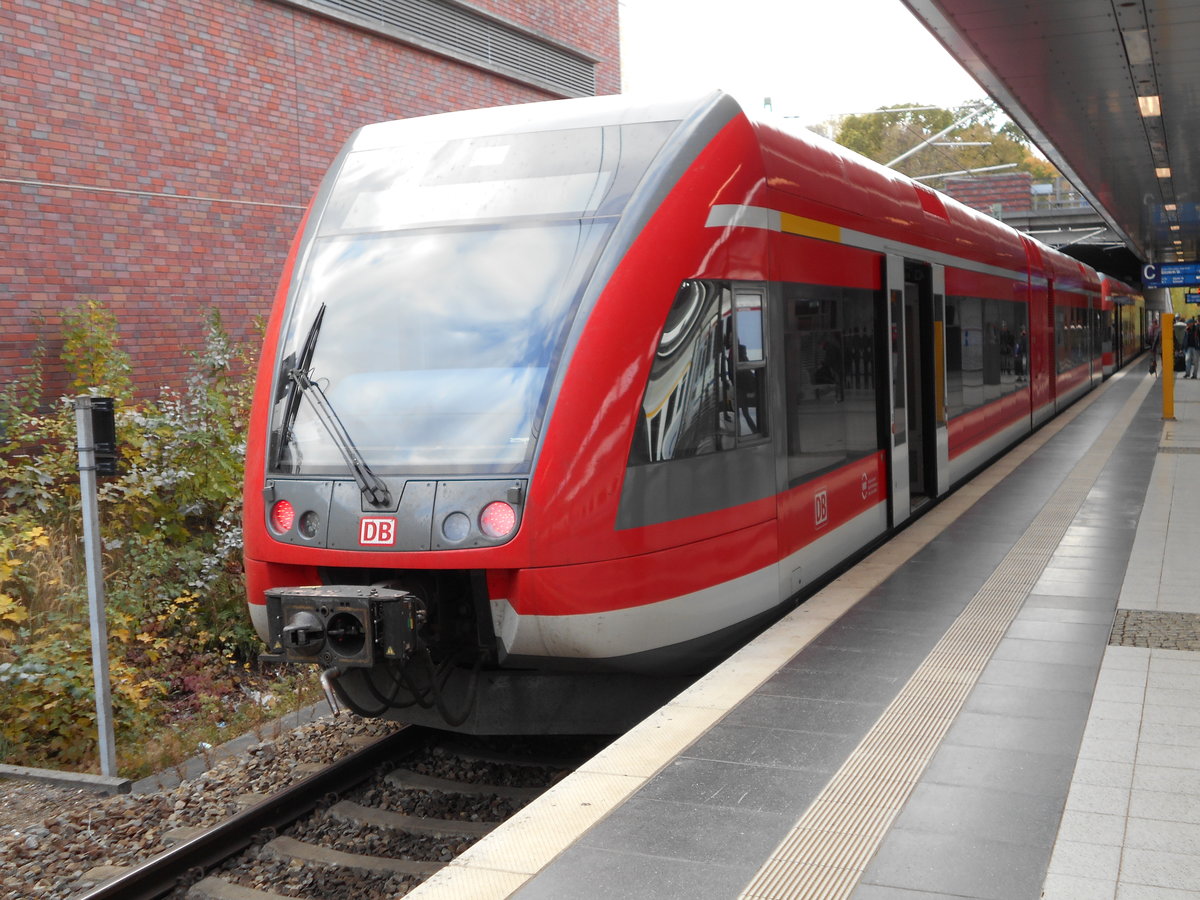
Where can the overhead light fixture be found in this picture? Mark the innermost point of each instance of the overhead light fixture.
(1174, 227)
(1150, 106)
(1163, 172)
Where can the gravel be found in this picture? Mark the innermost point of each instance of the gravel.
(56, 843)
(291, 880)
(51, 838)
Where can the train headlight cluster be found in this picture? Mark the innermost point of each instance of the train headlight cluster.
(283, 518)
(496, 521)
(454, 514)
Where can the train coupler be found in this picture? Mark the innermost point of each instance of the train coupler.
(340, 625)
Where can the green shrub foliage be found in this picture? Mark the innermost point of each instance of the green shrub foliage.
(171, 529)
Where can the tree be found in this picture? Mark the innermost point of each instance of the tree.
(892, 131)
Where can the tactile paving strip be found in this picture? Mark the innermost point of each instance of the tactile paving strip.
(826, 852)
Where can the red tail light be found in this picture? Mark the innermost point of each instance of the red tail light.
(282, 517)
(498, 519)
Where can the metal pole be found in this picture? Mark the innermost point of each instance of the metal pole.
(1167, 331)
(95, 584)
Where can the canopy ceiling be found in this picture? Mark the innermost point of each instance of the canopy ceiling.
(1070, 73)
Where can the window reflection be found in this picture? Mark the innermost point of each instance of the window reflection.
(437, 349)
(574, 172)
(829, 344)
(749, 364)
(1072, 337)
(707, 385)
(987, 351)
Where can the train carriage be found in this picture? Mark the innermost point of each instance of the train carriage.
(1125, 310)
(561, 402)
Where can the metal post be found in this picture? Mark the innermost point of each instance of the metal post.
(95, 583)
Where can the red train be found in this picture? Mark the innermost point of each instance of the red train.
(559, 403)
(1123, 312)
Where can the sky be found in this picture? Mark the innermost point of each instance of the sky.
(815, 59)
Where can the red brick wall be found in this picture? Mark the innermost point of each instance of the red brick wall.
(233, 108)
(1011, 192)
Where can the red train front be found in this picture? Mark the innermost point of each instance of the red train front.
(561, 402)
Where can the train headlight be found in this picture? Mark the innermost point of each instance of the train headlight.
(456, 527)
(283, 515)
(309, 523)
(498, 520)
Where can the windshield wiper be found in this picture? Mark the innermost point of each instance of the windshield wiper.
(371, 485)
(287, 387)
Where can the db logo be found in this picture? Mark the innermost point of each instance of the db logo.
(377, 532)
(821, 509)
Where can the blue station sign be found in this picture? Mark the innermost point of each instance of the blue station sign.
(1156, 275)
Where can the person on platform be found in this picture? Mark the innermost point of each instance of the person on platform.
(1191, 349)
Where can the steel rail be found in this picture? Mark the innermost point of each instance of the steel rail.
(161, 874)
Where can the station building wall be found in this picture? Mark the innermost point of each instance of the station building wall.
(157, 155)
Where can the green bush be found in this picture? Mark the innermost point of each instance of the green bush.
(170, 524)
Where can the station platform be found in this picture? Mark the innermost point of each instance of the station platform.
(1001, 702)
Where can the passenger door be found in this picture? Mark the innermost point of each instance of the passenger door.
(917, 439)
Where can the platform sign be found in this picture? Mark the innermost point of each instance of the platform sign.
(1191, 297)
(1160, 275)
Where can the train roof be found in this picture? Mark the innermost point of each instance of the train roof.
(615, 109)
(795, 160)
(805, 164)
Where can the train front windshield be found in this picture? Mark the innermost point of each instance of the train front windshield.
(437, 294)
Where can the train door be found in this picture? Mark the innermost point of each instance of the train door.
(917, 385)
(940, 477)
(1046, 364)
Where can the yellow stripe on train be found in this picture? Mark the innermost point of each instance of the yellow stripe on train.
(809, 228)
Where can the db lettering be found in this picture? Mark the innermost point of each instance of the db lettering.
(377, 532)
(821, 509)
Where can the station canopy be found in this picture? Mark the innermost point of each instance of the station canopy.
(1108, 90)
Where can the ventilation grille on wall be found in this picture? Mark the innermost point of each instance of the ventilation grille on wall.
(447, 28)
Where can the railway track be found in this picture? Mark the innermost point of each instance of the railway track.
(375, 824)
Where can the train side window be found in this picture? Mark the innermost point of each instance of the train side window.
(987, 351)
(750, 364)
(706, 390)
(829, 377)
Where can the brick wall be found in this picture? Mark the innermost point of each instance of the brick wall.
(157, 154)
(1012, 192)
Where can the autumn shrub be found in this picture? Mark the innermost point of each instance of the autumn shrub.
(170, 523)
